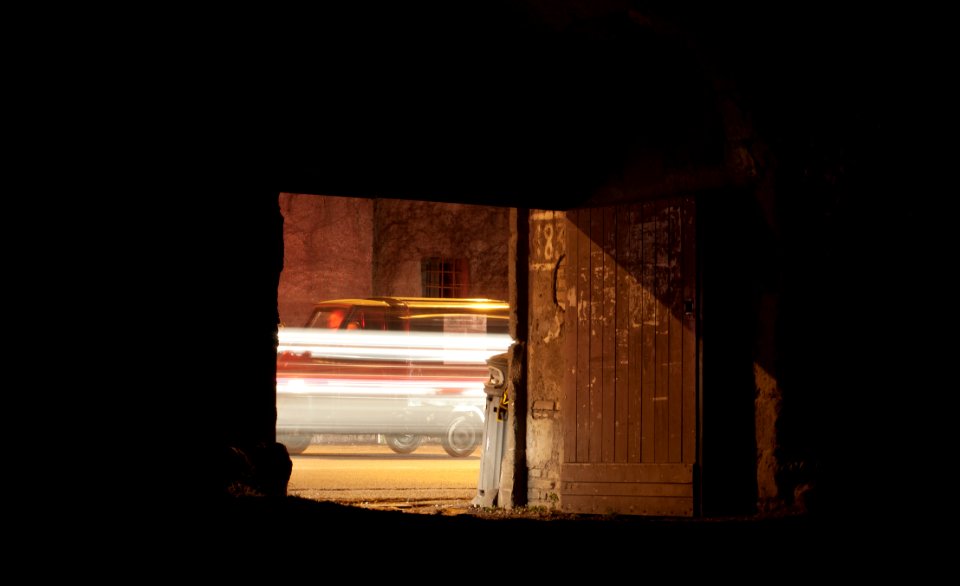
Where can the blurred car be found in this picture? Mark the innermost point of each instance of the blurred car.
(405, 368)
(413, 314)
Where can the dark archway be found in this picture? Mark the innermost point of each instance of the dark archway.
(528, 132)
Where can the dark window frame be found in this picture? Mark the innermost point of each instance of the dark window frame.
(444, 277)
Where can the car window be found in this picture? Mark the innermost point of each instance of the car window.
(400, 317)
(367, 318)
(327, 317)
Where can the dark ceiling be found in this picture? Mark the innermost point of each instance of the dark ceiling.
(518, 103)
(502, 103)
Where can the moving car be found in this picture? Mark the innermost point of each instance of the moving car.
(412, 314)
(404, 368)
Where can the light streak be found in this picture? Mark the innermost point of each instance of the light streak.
(392, 346)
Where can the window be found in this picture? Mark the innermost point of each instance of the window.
(443, 277)
(327, 317)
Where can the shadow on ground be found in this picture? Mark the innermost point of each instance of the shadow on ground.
(284, 536)
(525, 532)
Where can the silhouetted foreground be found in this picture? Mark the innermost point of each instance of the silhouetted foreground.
(282, 538)
(296, 526)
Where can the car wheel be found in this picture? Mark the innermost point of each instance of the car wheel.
(295, 443)
(463, 436)
(404, 443)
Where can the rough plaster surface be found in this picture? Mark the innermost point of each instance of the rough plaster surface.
(545, 359)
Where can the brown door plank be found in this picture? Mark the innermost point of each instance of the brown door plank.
(599, 472)
(634, 243)
(689, 374)
(624, 297)
(595, 382)
(582, 413)
(648, 328)
(609, 333)
(679, 489)
(675, 344)
(661, 284)
(652, 506)
(571, 370)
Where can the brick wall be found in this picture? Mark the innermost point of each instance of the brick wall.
(328, 252)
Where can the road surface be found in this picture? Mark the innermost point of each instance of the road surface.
(374, 476)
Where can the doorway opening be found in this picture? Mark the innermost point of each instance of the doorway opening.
(388, 311)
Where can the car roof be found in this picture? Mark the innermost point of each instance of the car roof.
(350, 301)
(422, 302)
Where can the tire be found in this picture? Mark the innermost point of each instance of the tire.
(404, 443)
(464, 435)
(295, 443)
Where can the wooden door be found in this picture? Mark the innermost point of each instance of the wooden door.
(630, 386)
